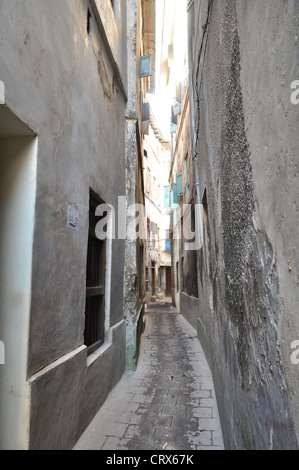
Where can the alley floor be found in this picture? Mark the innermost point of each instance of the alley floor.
(169, 402)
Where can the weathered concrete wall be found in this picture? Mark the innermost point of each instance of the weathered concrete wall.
(70, 381)
(17, 183)
(134, 260)
(272, 122)
(189, 307)
(64, 83)
(247, 139)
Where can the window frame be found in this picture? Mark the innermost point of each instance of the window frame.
(96, 266)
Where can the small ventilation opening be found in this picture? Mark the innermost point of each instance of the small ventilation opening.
(88, 22)
(205, 209)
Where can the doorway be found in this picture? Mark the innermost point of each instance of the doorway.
(18, 159)
(153, 278)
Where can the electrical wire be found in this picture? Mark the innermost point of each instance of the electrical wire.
(201, 49)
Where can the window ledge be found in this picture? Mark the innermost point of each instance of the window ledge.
(106, 346)
(98, 353)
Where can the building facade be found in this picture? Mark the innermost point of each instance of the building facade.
(243, 62)
(64, 126)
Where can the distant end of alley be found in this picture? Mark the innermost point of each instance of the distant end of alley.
(148, 151)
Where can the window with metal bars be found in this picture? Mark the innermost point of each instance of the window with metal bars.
(94, 334)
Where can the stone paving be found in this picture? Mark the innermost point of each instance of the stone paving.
(169, 402)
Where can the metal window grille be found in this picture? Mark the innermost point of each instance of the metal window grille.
(148, 181)
(94, 334)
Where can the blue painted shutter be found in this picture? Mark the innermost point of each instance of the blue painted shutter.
(168, 245)
(179, 182)
(145, 66)
(175, 194)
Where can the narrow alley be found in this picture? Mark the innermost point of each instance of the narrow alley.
(169, 402)
(149, 225)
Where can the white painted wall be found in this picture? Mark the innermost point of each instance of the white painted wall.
(18, 157)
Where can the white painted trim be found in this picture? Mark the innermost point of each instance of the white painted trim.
(108, 276)
(107, 345)
(17, 201)
(67, 357)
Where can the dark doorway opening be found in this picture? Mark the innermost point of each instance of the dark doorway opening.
(153, 278)
(94, 335)
(168, 281)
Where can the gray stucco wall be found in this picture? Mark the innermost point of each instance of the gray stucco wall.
(62, 82)
(248, 166)
(66, 396)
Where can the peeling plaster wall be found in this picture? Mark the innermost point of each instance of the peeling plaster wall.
(248, 133)
(134, 263)
(62, 82)
(131, 268)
